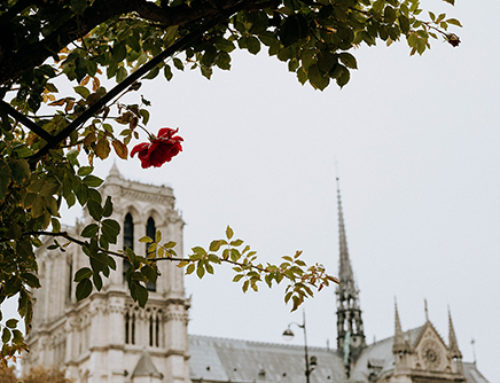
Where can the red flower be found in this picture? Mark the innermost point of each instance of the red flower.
(161, 149)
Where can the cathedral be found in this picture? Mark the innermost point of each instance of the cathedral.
(107, 338)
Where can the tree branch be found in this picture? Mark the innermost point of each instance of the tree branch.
(181, 43)
(25, 121)
(76, 27)
(64, 234)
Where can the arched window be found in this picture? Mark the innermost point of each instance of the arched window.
(151, 342)
(70, 279)
(157, 329)
(132, 335)
(127, 325)
(128, 232)
(151, 233)
(128, 239)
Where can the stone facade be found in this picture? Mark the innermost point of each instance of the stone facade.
(107, 338)
(103, 338)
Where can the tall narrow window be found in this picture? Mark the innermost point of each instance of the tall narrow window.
(151, 330)
(128, 240)
(151, 233)
(157, 330)
(132, 332)
(127, 325)
(70, 278)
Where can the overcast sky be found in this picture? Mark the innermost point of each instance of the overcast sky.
(417, 143)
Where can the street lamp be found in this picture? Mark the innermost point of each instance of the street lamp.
(288, 335)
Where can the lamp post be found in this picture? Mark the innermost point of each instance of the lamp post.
(288, 335)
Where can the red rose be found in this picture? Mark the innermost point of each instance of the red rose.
(161, 149)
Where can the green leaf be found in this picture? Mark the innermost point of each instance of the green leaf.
(167, 72)
(348, 60)
(245, 286)
(236, 243)
(90, 230)
(145, 115)
(83, 289)
(18, 337)
(110, 228)
(97, 281)
(215, 245)
(31, 280)
(82, 91)
(95, 209)
(6, 335)
(200, 270)
(454, 22)
(83, 273)
(20, 170)
(229, 232)
(178, 63)
(145, 239)
(237, 277)
(253, 45)
(85, 170)
(108, 207)
(11, 323)
(404, 24)
(190, 268)
(92, 181)
(316, 78)
(141, 294)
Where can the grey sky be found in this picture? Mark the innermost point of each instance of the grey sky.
(417, 143)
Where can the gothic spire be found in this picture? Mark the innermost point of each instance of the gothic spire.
(400, 344)
(346, 275)
(114, 172)
(350, 332)
(452, 338)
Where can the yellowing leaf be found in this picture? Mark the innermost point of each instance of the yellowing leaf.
(120, 149)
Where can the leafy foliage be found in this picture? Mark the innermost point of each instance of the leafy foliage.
(83, 43)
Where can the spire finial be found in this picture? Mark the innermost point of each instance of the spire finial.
(473, 344)
(114, 172)
(452, 338)
(399, 345)
(426, 309)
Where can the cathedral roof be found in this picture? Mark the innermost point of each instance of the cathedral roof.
(472, 374)
(242, 361)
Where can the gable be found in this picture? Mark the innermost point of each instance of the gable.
(430, 350)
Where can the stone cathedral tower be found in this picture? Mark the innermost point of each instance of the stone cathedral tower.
(107, 337)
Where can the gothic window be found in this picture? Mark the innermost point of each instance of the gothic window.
(151, 233)
(132, 332)
(128, 239)
(157, 330)
(70, 278)
(127, 325)
(151, 331)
